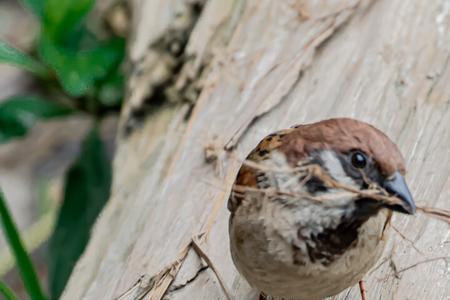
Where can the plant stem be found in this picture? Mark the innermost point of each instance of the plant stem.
(26, 268)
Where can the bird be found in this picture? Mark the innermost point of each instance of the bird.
(311, 205)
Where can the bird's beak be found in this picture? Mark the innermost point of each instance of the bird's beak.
(396, 186)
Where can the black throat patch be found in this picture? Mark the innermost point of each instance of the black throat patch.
(326, 246)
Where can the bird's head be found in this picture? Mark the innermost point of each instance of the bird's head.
(354, 154)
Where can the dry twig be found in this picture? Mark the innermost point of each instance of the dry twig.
(157, 286)
(196, 241)
(437, 213)
(374, 192)
(406, 239)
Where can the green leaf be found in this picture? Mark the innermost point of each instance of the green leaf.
(63, 16)
(19, 114)
(12, 56)
(23, 261)
(7, 292)
(36, 6)
(78, 71)
(87, 189)
(110, 92)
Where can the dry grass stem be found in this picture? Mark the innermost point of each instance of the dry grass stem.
(156, 287)
(444, 258)
(407, 239)
(437, 213)
(398, 272)
(196, 244)
(306, 171)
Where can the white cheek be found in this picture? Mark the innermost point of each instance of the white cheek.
(334, 167)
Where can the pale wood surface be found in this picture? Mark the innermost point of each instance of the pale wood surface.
(288, 62)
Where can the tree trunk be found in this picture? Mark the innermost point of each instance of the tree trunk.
(208, 80)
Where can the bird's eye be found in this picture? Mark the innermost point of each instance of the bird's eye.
(358, 160)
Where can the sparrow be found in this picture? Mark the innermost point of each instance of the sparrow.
(310, 208)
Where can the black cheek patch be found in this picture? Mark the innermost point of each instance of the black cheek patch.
(315, 185)
(263, 152)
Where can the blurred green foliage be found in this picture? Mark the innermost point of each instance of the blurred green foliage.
(77, 72)
(26, 269)
(19, 114)
(7, 292)
(87, 190)
(11, 55)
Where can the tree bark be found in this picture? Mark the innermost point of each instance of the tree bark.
(209, 79)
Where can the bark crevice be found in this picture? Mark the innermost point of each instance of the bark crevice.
(158, 77)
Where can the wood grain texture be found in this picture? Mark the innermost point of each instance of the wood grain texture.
(272, 64)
